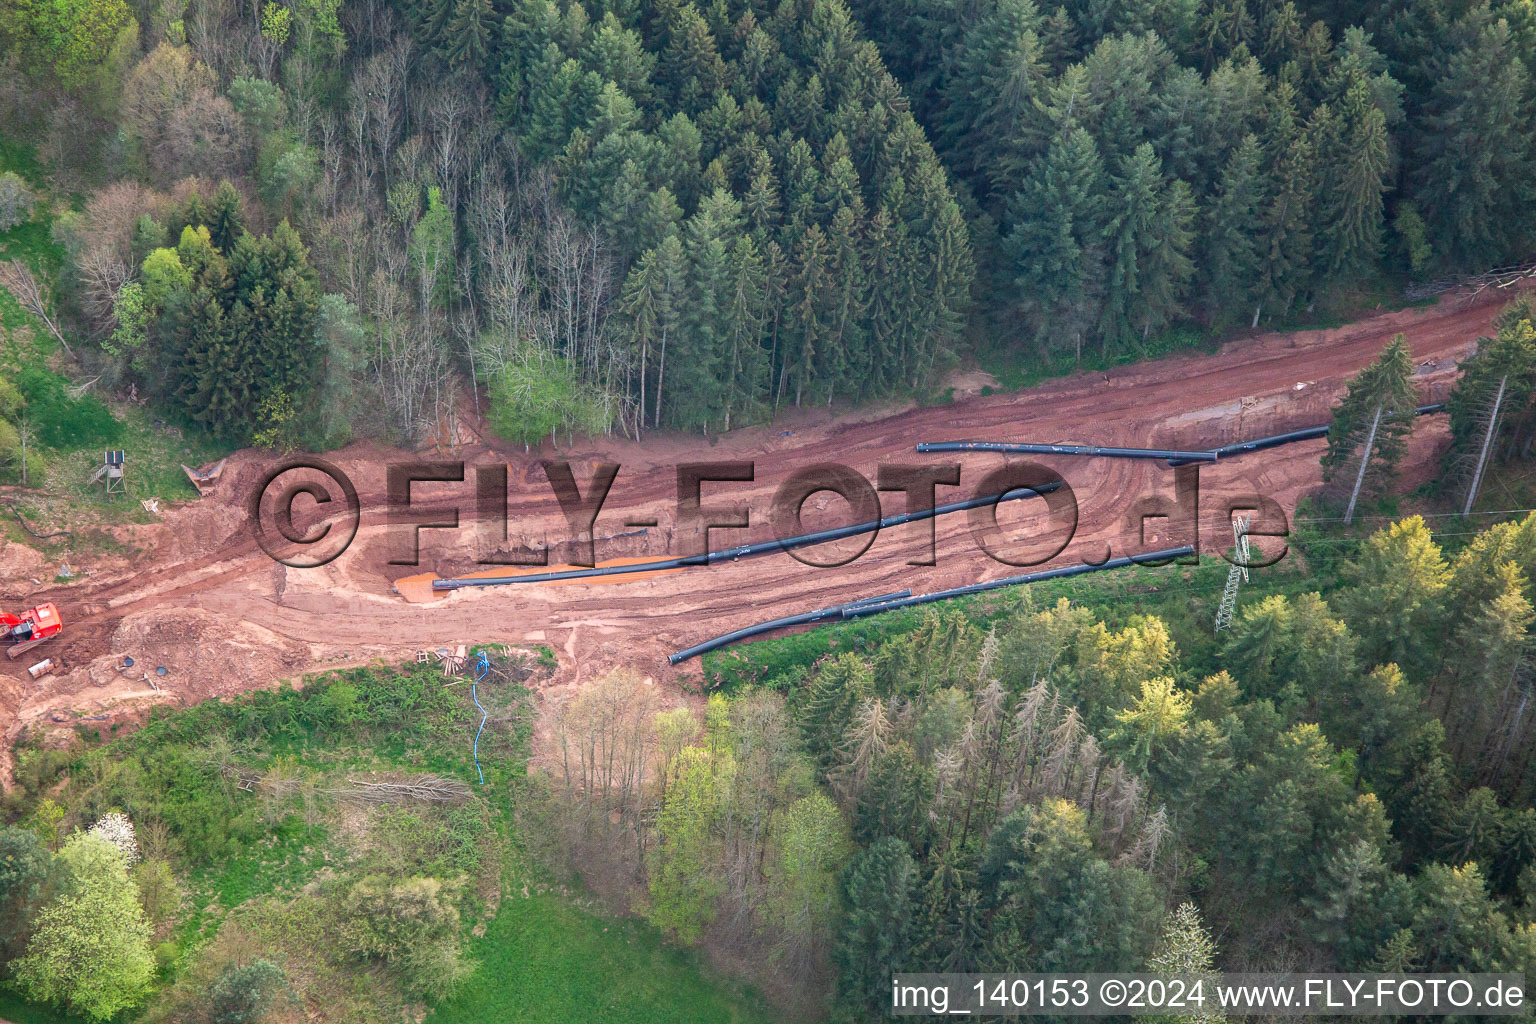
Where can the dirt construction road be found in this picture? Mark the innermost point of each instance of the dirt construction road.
(207, 604)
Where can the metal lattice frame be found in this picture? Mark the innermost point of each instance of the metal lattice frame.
(1237, 576)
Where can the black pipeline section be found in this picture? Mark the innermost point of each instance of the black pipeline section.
(762, 548)
(890, 602)
(836, 611)
(1028, 448)
(1174, 457)
(1275, 440)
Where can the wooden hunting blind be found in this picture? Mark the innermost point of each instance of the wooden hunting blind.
(111, 471)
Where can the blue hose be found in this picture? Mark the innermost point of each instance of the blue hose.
(482, 666)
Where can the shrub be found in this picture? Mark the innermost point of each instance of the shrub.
(411, 925)
(242, 995)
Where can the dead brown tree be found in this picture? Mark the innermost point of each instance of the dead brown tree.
(34, 297)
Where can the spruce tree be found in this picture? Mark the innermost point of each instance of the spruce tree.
(1187, 951)
(469, 37)
(1229, 260)
(1387, 384)
(1471, 178)
(880, 926)
(1509, 357)
(226, 220)
(1053, 241)
(1355, 178)
(1146, 236)
(808, 301)
(747, 370)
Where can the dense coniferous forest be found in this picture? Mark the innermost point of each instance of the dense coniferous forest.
(629, 215)
(1134, 164)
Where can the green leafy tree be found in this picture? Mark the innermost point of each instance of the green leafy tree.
(68, 41)
(536, 395)
(15, 201)
(432, 250)
(685, 883)
(89, 949)
(28, 878)
(810, 847)
(132, 317)
(409, 924)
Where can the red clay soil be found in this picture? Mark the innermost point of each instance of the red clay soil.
(208, 605)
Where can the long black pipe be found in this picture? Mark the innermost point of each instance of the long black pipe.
(876, 605)
(760, 548)
(1275, 440)
(804, 618)
(1030, 448)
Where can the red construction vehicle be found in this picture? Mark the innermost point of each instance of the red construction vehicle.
(21, 633)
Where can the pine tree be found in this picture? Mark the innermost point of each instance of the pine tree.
(691, 65)
(653, 302)
(839, 686)
(991, 77)
(761, 203)
(699, 383)
(1166, 268)
(1492, 646)
(1399, 597)
(1354, 901)
(748, 373)
(808, 300)
(843, 362)
(1146, 236)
